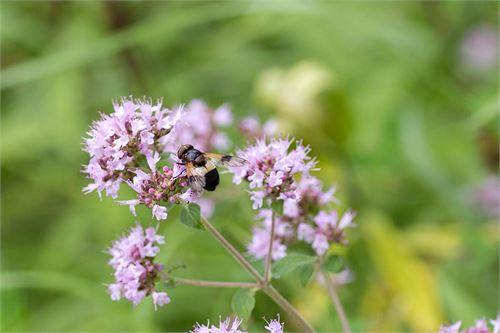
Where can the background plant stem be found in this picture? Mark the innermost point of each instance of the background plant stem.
(330, 285)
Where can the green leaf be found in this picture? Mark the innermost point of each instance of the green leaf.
(164, 161)
(333, 264)
(291, 262)
(190, 216)
(243, 303)
(277, 206)
(305, 274)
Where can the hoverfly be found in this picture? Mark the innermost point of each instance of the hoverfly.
(201, 167)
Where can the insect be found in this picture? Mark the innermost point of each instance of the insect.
(201, 167)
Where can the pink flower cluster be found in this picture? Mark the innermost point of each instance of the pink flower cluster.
(135, 271)
(117, 141)
(280, 170)
(487, 196)
(233, 326)
(127, 145)
(271, 169)
(481, 326)
(201, 126)
(156, 187)
(251, 127)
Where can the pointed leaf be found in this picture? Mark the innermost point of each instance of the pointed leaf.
(305, 274)
(243, 303)
(291, 262)
(333, 264)
(190, 216)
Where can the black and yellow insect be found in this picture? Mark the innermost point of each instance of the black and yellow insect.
(201, 167)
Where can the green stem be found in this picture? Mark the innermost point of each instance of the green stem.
(330, 285)
(230, 248)
(219, 284)
(266, 287)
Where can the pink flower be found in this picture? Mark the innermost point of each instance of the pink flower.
(159, 212)
(272, 167)
(226, 326)
(451, 329)
(279, 169)
(487, 196)
(160, 298)
(479, 49)
(158, 187)
(115, 142)
(233, 326)
(259, 246)
(135, 272)
(481, 326)
(223, 116)
(251, 127)
(127, 145)
(200, 126)
(496, 324)
(274, 326)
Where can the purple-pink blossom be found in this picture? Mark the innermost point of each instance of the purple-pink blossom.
(126, 146)
(481, 326)
(479, 49)
(487, 196)
(201, 126)
(310, 216)
(116, 142)
(252, 128)
(135, 272)
(232, 325)
(271, 169)
(156, 188)
(274, 326)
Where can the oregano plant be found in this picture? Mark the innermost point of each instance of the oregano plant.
(135, 146)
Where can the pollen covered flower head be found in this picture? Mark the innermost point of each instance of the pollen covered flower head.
(136, 128)
(135, 272)
(158, 187)
(272, 168)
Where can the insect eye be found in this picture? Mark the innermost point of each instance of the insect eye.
(183, 149)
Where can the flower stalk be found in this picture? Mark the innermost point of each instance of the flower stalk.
(263, 284)
(215, 284)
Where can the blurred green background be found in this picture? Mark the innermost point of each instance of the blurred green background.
(397, 99)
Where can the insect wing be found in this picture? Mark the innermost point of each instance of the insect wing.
(225, 160)
(196, 176)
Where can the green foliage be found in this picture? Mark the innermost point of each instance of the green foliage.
(191, 216)
(243, 303)
(291, 262)
(333, 264)
(306, 273)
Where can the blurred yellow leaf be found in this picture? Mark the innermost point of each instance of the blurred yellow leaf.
(435, 240)
(293, 93)
(408, 278)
